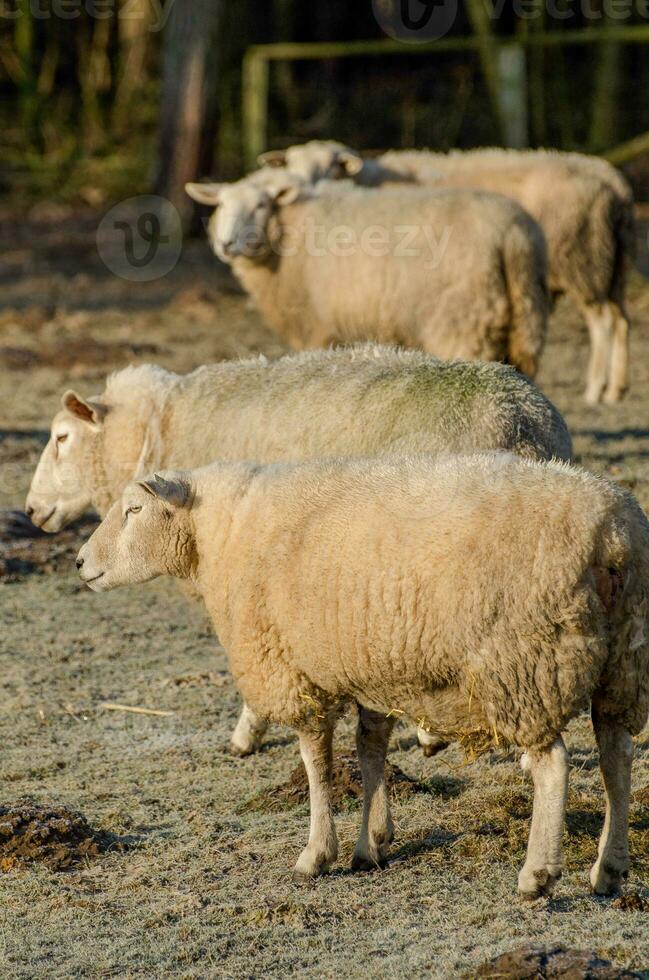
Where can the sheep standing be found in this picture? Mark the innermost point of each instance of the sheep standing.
(456, 273)
(582, 203)
(360, 401)
(376, 582)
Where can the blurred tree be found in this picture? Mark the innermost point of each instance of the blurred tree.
(134, 21)
(606, 88)
(189, 98)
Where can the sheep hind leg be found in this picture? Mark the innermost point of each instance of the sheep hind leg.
(544, 861)
(599, 318)
(246, 737)
(372, 737)
(618, 380)
(322, 849)
(615, 757)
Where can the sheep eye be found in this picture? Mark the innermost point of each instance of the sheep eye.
(61, 438)
(133, 510)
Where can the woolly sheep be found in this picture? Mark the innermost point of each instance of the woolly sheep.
(582, 203)
(359, 401)
(453, 272)
(377, 583)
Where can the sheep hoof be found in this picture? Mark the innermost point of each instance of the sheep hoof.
(593, 397)
(363, 862)
(605, 878)
(538, 883)
(309, 867)
(241, 751)
(613, 396)
(430, 750)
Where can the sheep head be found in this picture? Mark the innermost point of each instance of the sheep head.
(239, 225)
(147, 533)
(60, 490)
(316, 160)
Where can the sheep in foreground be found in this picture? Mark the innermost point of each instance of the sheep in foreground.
(481, 595)
(582, 203)
(364, 400)
(456, 273)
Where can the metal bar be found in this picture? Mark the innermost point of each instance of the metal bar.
(308, 51)
(629, 150)
(255, 106)
(255, 70)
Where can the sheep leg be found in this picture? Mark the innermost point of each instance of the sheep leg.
(246, 737)
(542, 868)
(372, 737)
(322, 849)
(615, 757)
(430, 744)
(618, 380)
(599, 318)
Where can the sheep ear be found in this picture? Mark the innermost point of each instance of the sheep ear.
(174, 492)
(273, 158)
(287, 194)
(352, 162)
(92, 412)
(204, 193)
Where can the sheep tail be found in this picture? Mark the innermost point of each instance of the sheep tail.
(525, 269)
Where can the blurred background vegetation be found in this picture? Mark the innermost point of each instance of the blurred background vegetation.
(100, 100)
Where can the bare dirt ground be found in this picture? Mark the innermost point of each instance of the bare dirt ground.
(196, 879)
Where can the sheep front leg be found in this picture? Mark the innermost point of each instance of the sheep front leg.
(372, 737)
(544, 862)
(615, 757)
(322, 849)
(246, 737)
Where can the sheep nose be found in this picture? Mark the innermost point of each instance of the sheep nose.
(79, 562)
(29, 511)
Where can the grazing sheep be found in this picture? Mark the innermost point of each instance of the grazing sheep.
(582, 203)
(359, 401)
(453, 272)
(482, 596)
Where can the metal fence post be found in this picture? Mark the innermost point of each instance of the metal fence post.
(255, 105)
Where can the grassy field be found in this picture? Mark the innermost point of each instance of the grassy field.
(197, 882)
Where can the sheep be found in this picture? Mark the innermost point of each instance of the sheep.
(479, 595)
(362, 400)
(582, 203)
(457, 273)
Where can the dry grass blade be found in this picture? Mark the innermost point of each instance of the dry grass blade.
(135, 709)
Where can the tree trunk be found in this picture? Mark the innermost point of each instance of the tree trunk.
(135, 23)
(482, 26)
(189, 99)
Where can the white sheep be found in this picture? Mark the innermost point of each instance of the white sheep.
(358, 401)
(480, 595)
(582, 203)
(453, 272)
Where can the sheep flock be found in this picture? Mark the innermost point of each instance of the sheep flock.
(387, 523)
